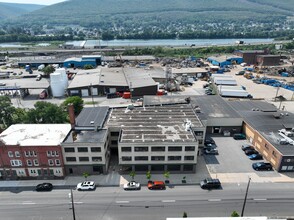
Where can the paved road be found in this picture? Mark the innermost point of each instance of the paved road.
(114, 203)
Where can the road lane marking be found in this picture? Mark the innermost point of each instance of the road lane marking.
(214, 200)
(29, 203)
(121, 202)
(168, 201)
(260, 199)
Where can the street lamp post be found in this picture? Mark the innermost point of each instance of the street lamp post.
(244, 203)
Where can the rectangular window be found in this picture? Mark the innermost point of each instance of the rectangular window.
(57, 162)
(29, 163)
(48, 153)
(274, 154)
(36, 162)
(69, 150)
(27, 153)
(126, 149)
(174, 148)
(82, 149)
(141, 158)
(114, 142)
(16, 163)
(170, 158)
(50, 162)
(17, 154)
(95, 149)
(189, 158)
(10, 154)
(114, 134)
(34, 153)
(83, 159)
(71, 159)
(156, 149)
(157, 158)
(140, 149)
(189, 148)
(126, 158)
(53, 153)
(96, 159)
(265, 145)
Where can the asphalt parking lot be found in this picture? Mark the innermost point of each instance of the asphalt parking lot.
(232, 159)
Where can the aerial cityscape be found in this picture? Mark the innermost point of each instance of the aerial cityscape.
(151, 110)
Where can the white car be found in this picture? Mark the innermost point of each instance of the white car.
(86, 185)
(133, 185)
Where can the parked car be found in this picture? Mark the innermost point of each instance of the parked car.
(211, 151)
(205, 85)
(210, 146)
(240, 73)
(262, 166)
(250, 151)
(255, 157)
(133, 185)
(239, 136)
(209, 141)
(44, 187)
(210, 183)
(156, 185)
(246, 147)
(86, 185)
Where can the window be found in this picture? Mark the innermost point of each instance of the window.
(114, 134)
(57, 162)
(27, 153)
(274, 154)
(198, 133)
(157, 158)
(265, 145)
(50, 162)
(83, 159)
(36, 162)
(174, 148)
(188, 168)
(95, 149)
(141, 158)
(53, 153)
(158, 149)
(56, 153)
(71, 159)
(189, 148)
(34, 153)
(114, 142)
(10, 154)
(33, 171)
(69, 149)
(174, 158)
(48, 153)
(29, 163)
(16, 163)
(17, 154)
(82, 149)
(140, 149)
(189, 158)
(126, 158)
(96, 159)
(126, 149)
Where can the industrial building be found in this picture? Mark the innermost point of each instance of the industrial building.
(268, 60)
(270, 131)
(223, 61)
(93, 60)
(250, 56)
(220, 79)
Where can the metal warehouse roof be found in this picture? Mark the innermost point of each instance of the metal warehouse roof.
(130, 58)
(154, 124)
(85, 78)
(35, 134)
(137, 77)
(93, 117)
(188, 70)
(26, 83)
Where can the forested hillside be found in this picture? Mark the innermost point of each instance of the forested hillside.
(154, 19)
(8, 10)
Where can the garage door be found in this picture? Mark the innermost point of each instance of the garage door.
(94, 91)
(85, 92)
(112, 90)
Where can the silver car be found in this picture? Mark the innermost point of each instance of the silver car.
(133, 185)
(86, 185)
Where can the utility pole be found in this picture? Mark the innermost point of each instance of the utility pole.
(72, 205)
(245, 199)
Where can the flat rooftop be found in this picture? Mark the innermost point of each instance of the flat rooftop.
(35, 134)
(138, 77)
(223, 58)
(92, 117)
(154, 124)
(26, 83)
(129, 58)
(189, 70)
(265, 122)
(87, 137)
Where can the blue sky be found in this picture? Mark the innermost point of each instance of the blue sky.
(39, 2)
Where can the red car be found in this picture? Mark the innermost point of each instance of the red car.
(156, 185)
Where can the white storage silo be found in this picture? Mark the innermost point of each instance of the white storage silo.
(62, 71)
(57, 84)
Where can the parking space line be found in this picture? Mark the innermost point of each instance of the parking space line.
(122, 202)
(259, 199)
(168, 201)
(214, 200)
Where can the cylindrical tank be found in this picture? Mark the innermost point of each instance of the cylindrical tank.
(62, 71)
(57, 84)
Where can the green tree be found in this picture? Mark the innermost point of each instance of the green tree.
(86, 175)
(46, 113)
(166, 175)
(20, 116)
(6, 112)
(132, 174)
(77, 102)
(235, 214)
(48, 70)
(88, 67)
(148, 175)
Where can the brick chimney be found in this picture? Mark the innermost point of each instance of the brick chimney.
(71, 113)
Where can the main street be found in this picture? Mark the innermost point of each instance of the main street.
(264, 199)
